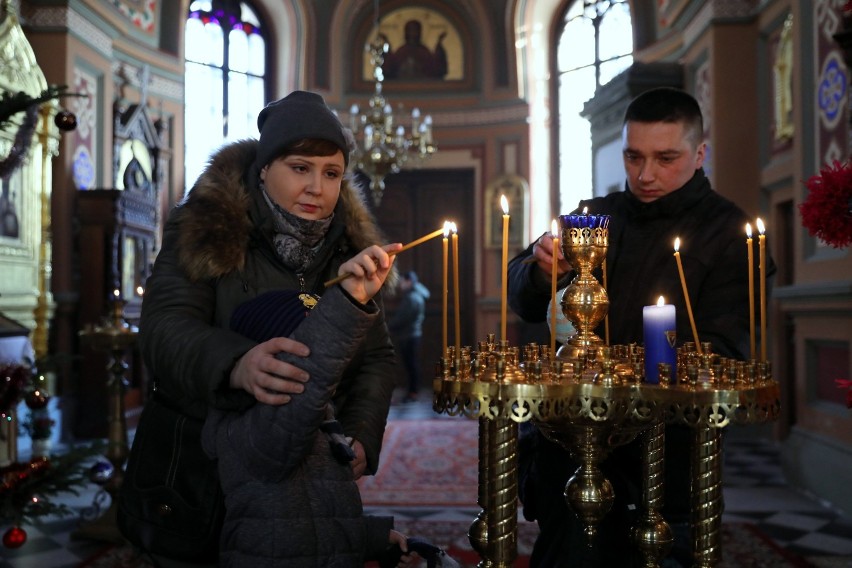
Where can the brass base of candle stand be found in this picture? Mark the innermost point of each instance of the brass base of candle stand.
(590, 405)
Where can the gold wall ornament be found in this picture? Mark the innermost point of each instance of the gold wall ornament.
(782, 73)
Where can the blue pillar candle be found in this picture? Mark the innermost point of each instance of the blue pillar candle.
(659, 329)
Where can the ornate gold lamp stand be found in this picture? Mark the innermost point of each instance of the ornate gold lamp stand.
(114, 337)
(591, 398)
(585, 302)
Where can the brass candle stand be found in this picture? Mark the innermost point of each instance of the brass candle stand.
(114, 336)
(591, 398)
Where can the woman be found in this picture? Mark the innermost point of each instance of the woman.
(266, 215)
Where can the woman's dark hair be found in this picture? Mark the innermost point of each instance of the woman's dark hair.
(311, 147)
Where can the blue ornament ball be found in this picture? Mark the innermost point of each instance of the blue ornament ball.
(101, 472)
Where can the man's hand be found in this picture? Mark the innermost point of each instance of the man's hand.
(543, 255)
(266, 378)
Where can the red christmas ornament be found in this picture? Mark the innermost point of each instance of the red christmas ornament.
(65, 120)
(15, 537)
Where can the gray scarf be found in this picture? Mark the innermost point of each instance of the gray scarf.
(296, 240)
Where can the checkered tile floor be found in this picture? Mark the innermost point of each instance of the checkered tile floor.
(754, 488)
(756, 492)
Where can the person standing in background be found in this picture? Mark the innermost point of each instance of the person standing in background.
(406, 328)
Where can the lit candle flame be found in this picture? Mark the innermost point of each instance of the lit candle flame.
(661, 301)
(116, 293)
(553, 228)
(448, 226)
(504, 203)
(140, 290)
(748, 230)
(585, 210)
(760, 228)
(453, 227)
(677, 244)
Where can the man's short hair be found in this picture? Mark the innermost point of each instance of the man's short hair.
(667, 104)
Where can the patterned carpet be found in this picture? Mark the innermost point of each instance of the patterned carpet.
(426, 463)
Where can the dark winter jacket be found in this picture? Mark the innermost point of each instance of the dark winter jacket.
(407, 319)
(217, 253)
(289, 502)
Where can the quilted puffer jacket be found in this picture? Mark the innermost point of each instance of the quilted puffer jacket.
(289, 501)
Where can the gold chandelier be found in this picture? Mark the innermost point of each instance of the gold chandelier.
(382, 146)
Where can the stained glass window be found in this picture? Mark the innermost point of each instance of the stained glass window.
(225, 78)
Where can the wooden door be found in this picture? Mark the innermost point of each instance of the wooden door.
(418, 202)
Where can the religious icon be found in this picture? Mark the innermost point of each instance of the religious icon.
(423, 46)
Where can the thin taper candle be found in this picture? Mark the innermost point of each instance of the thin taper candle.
(421, 240)
(606, 318)
(341, 277)
(504, 275)
(445, 245)
(761, 246)
(456, 289)
(686, 296)
(554, 270)
(750, 246)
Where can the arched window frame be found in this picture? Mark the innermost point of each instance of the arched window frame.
(577, 79)
(223, 94)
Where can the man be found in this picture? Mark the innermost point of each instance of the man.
(667, 196)
(406, 328)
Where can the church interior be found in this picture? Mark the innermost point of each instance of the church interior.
(121, 119)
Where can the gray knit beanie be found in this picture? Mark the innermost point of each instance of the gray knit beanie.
(297, 116)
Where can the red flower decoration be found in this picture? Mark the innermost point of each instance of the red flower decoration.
(826, 211)
(844, 384)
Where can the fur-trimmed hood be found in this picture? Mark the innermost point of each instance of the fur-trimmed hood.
(216, 222)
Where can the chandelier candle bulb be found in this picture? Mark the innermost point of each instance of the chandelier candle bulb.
(659, 329)
(341, 277)
(686, 296)
(554, 269)
(750, 246)
(353, 118)
(761, 246)
(456, 287)
(504, 266)
(415, 119)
